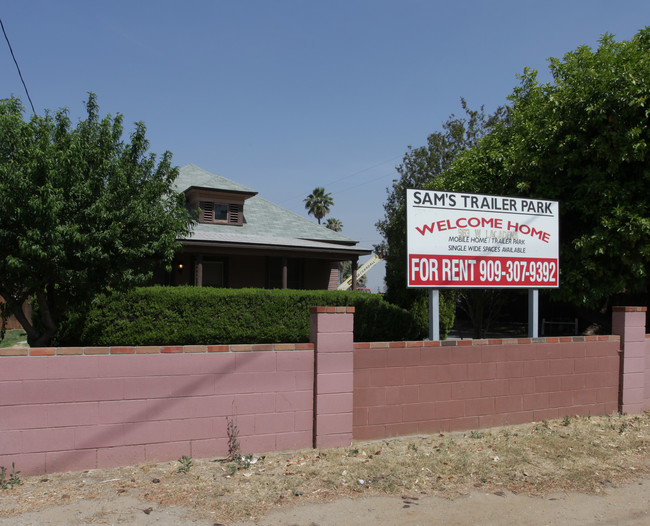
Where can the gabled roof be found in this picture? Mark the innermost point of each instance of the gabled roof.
(193, 176)
(265, 223)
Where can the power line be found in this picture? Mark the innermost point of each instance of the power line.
(347, 188)
(363, 170)
(333, 181)
(17, 66)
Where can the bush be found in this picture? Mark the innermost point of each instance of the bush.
(203, 315)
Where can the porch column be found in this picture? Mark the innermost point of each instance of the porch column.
(285, 281)
(355, 266)
(198, 279)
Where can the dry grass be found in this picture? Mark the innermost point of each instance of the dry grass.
(581, 454)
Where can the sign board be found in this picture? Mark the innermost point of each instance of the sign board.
(481, 241)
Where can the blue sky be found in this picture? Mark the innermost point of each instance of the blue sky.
(287, 95)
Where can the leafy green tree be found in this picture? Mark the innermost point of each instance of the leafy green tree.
(420, 166)
(582, 139)
(81, 212)
(318, 203)
(334, 224)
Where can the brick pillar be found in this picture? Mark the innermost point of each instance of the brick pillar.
(629, 324)
(332, 336)
(333, 282)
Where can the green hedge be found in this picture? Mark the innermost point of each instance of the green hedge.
(204, 315)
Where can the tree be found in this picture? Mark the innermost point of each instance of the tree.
(420, 166)
(318, 203)
(81, 212)
(582, 139)
(334, 224)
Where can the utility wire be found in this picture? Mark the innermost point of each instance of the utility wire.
(391, 174)
(333, 181)
(17, 66)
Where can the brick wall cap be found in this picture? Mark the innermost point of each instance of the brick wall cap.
(54, 351)
(14, 351)
(42, 351)
(125, 349)
(331, 310)
(167, 349)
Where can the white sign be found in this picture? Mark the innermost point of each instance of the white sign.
(481, 241)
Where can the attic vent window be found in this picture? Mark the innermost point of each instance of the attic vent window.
(221, 213)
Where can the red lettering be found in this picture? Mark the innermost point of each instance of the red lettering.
(425, 229)
(538, 233)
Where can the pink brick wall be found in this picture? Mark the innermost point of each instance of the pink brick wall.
(79, 408)
(63, 412)
(332, 336)
(421, 387)
(646, 404)
(629, 323)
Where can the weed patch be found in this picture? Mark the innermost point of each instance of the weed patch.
(186, 464)
(12, 480)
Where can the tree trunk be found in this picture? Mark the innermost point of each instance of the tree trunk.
(34, 337)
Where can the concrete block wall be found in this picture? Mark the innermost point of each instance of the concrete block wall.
(332, 336)
(404, 388)
(82, 408)
(78, 408)
(629, 323)
(646, 404)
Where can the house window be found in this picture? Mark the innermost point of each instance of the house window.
(222, 213)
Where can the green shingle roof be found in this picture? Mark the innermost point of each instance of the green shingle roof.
(191, 175)
(265, 223)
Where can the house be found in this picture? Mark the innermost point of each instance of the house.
(12, 322)
(243, 240)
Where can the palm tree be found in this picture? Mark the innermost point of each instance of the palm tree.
(334, 224)
(318, 203)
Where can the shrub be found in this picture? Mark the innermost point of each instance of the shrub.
(203, 315)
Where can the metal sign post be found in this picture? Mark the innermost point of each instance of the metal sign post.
(434, 314)
(533, 313)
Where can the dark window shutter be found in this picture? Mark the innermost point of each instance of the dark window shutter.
(207, 211)
(235, 213)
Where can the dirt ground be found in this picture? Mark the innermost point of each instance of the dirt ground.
(625, 505)
(581, 470)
